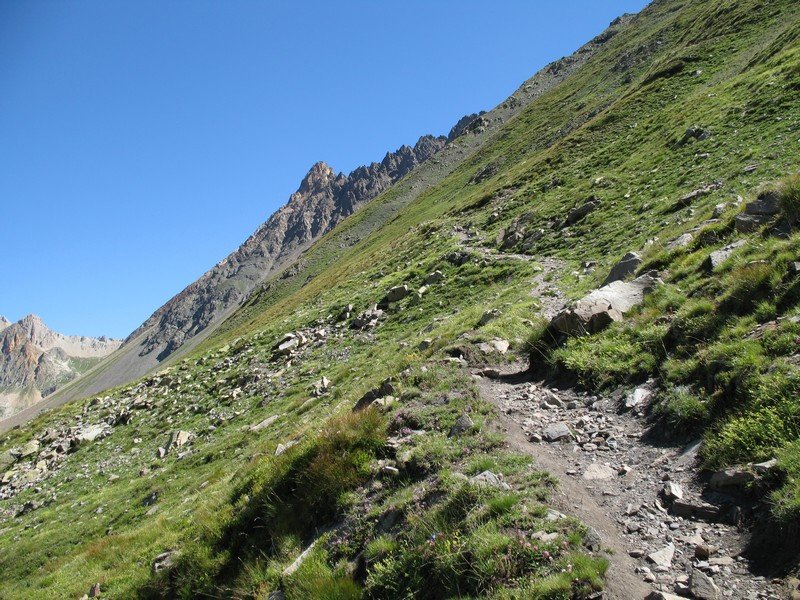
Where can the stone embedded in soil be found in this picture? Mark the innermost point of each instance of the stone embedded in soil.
(663, 557)
(597, 471)
(556, 432)
(491, 479)
(702, 586)
(638, 397)
(672, 491)
(462, 424)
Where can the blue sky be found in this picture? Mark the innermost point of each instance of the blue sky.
(142, 141)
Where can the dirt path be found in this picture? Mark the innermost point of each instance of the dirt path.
(572, 498)
(613, 479)
(665, 530)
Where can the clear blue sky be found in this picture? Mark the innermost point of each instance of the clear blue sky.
(142, 141)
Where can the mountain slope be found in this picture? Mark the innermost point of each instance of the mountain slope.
(321, 201)
(34, 361)
(330, 440)
(193, 315)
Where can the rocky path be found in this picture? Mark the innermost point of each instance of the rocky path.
(641, 499)
(548, 294)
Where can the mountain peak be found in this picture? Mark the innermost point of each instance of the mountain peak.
(319, 174)
(34, 360)
(32, 319)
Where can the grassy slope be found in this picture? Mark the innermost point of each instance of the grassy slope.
(606, 121)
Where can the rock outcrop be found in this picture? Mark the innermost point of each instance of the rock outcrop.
(598, 309)
(35, 360)
(323, 199)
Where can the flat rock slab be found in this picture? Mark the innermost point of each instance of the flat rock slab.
(597, 471)
(264, 424)
(663, 557)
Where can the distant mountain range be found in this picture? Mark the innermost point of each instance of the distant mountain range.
(35, 361)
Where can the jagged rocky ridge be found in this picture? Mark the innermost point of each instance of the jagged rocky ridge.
(35, 360)
(323, 199)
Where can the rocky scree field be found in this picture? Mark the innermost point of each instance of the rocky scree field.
(331, 440)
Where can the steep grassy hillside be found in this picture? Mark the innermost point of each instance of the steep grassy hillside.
(382, 467)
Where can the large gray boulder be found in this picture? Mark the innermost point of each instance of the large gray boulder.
(397, 293)
(758, 213)
(601, 307)
(625, 267)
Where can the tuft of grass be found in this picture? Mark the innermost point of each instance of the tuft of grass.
(788, 190)
(683, 410)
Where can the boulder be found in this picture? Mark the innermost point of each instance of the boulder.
(487, 316)
(663, 557)
(90, 433)
(164, 561)
(694, 510)
(500, 345)
(745, 223)
(597, 310)
(457, 257)
(29, 449)
(625, 267)
(766, 466)
(767, 204)
(656, 595)
(718, 257)
(731, 480)
(6, 460)
(490, 479)
(397, 293)
(281, 448)
(264, 424)
(579, 212)
(672, 491)
(638, 397)
(180, 438)
(434, 277)
(511, 237)
(462, 424)
(695, 132)
(758, 213)
(367, 319)
(287, 343)
(680, 242)
(424, 344)
(702, 586)
(597, 471)
(688, 199)
(719, 209)
(556, 432)
(495, 345)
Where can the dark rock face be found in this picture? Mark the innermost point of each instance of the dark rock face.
(322, 200)
(463, 125)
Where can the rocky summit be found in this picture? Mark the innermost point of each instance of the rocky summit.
(555, 355)
(35, 361)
